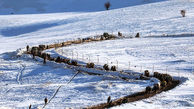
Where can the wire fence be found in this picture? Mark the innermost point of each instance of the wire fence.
(100, 61)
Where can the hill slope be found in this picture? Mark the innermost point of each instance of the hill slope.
(53, 6)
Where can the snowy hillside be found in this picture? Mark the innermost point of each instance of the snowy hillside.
(53, 6)
(166, 45)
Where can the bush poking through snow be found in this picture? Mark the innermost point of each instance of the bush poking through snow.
(146, 73)
(90, 65)
(74, 63)
(183, 12)
(106, 67)
(148, 89)
(107, 5)
(113, 68)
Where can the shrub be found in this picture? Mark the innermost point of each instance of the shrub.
(113, 68)
(107, 5)
(148, 89)
(106, 67)
(74, 63)
(146, 73)
(183, 13)
(90, 65)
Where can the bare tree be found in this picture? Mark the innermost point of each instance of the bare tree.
(107, 5)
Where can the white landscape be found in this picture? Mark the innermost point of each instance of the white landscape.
(166, 45)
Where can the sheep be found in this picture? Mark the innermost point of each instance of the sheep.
(163, 84)
(74, 63)
(120, 34)
(42, 47)
(183, 13)
(148, 89)
(113, 68)
(106, 67)
(156, 87)
(45, 101)
(58, 59)
(156, 74)
(146, 73)
(34, 51)
(108, 99)
(90, 65)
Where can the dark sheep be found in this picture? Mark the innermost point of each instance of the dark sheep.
(120, 34)
(45, 101)
(58, 59)
(156, 87)
(113, 68)
(146, 73)
(148, 89)
(74, 63)
(90, 65)
(163, 84)
(156, 74)
(106, 67)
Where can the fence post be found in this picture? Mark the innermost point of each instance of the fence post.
(107, 60)
(97, 59)
(77, 55)
(89, 58)
(117, 64)
(72, 54)
(141, 69)
(153, 69)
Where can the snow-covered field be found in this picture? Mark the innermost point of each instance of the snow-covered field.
(25, 81)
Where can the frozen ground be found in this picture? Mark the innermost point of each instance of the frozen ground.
(23, 77)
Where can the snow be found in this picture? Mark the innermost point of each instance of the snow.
(25, 81)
